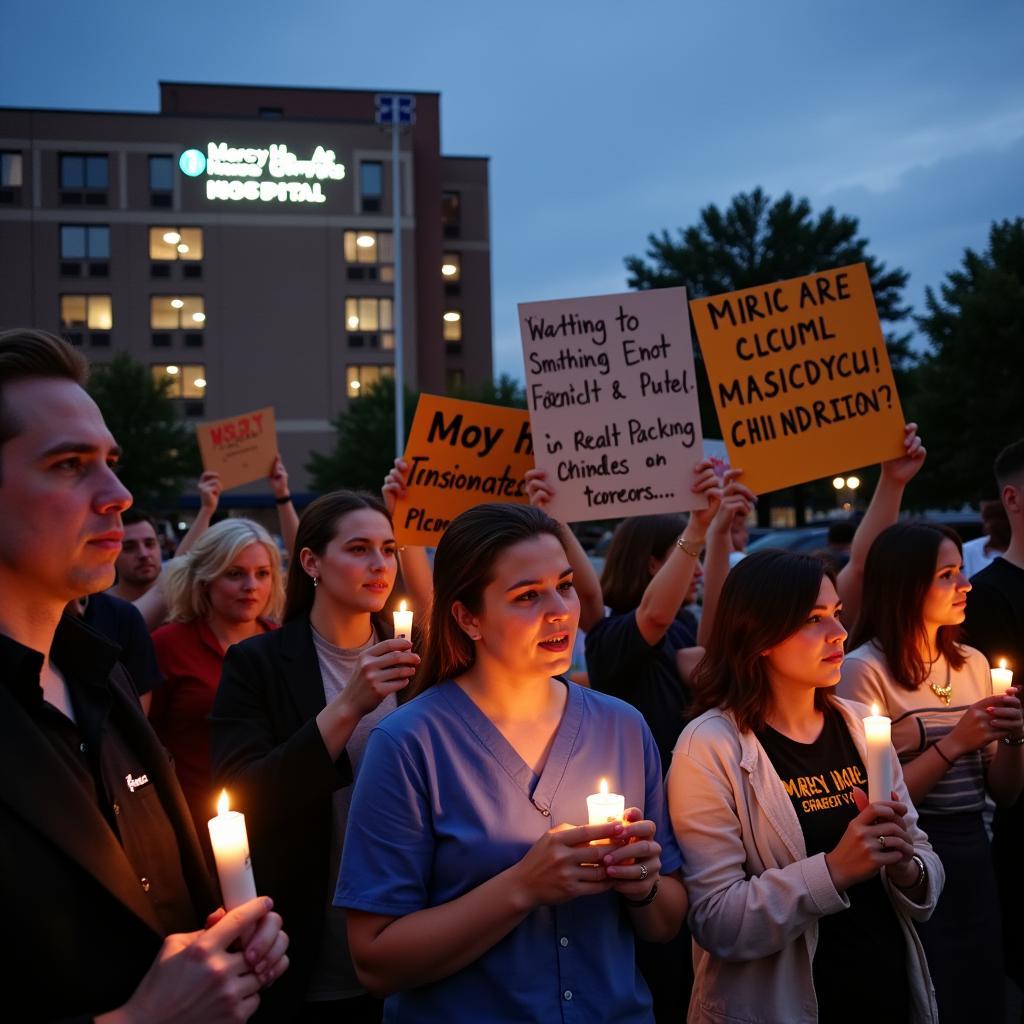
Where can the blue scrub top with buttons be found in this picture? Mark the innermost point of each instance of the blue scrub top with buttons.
(443, 803)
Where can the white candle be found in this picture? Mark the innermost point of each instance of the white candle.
(403, 623)
(878, 733)
(603, 807)
(1002, 678)
(231, 852)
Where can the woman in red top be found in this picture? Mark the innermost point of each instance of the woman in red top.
(225, 589)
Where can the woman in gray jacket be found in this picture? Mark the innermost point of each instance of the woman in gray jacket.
(802, 893)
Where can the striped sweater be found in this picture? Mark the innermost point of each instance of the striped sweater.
(919, 718)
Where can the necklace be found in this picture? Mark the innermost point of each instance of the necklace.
(944, 693)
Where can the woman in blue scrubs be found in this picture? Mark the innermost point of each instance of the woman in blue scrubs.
(472, 890)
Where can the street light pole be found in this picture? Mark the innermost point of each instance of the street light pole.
(396, 210)
(396, 111)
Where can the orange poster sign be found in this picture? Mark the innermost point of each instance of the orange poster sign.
(800, 377)
(240, 448)
(460, 454)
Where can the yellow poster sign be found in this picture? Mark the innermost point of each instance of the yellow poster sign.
(460, 454)
(800, 377)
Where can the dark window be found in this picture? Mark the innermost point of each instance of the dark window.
(371, 184)
(451, 214)
(84, 242)
(161, 174)
(84, 171)
(11, 170)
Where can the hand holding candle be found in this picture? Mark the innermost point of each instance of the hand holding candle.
(231, 852)
(878, 735)
(1002, 678)
(403, 623)
(603, 807)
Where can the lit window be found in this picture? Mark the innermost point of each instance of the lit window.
(359, 378)
(84, 242)
(451, 267)
(451, 214)
(177, 312)
(372, 248)
(175, 243)
(371, 315)
(11, 174)
(83, 171)
(183, 380)
(92, 311)
(456, 381)
(161, 174)
(371, 183)
(452, 325)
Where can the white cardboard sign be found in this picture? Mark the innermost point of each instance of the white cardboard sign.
(613, 402)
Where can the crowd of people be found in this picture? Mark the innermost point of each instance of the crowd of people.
(417, 806)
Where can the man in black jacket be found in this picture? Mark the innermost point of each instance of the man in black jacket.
(100, 870)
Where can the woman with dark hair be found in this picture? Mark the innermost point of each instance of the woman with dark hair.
(650, 577)
(956, 740)
(463, 900)
(802, 893)
(289, 725)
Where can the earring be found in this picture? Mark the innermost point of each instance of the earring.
(316, 582)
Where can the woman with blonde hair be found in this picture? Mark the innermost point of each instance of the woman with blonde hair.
(227, 588)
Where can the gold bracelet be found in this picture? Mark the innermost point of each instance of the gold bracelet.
(691, 548)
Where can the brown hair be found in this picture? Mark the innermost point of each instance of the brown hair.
(463, 567)
(898, 573)
(627, 572)
(318, 526)
(26, 353)
(766, 598)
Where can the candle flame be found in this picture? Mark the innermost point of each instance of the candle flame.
(874, 710)
(402, 607)
(603, 787)
(222, 803)
(1002, 663)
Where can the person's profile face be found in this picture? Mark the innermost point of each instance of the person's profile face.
(60, 499)
(812, 656)
(945, 603)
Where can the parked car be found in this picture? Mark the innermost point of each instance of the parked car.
(813, 538)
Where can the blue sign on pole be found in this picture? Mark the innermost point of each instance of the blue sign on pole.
(396, 109)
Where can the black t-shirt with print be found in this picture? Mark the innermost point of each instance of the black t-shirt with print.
(860, 960)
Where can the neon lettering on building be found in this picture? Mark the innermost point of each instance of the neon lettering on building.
(273, 174)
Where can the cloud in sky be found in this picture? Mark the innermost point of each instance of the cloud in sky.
(605, 123)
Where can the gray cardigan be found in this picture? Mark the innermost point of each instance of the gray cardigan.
(755, 895)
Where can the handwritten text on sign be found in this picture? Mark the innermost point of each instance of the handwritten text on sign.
(240, 448)
(460, 454)
(800, 377)
(613, 402)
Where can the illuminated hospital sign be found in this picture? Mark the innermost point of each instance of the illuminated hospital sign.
(270, 175)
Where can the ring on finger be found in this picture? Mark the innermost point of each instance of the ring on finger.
(881, 842)
(643, 872)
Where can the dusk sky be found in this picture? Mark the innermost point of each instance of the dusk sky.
(604, 122)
